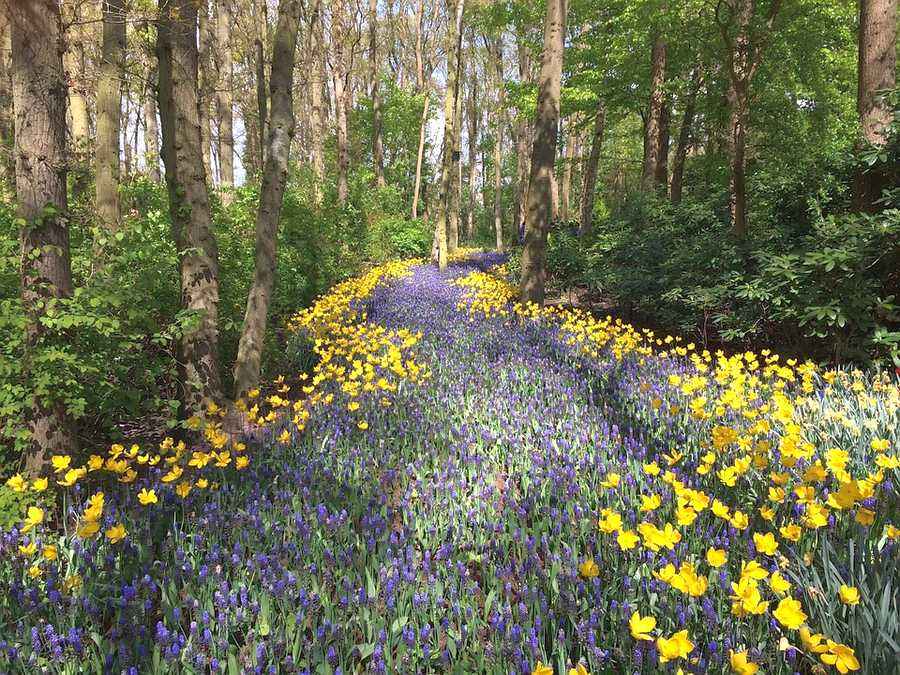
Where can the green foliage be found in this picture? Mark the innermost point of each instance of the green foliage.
(12, 506)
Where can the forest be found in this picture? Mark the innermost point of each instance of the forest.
(463, 336)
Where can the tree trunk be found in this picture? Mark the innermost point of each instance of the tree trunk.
(377, 141)
(206, 82)
(684, 138)
(262, 103)
(534, 265)
(877, 68)
(455, 207)
(420, 87)
(339, 76)
(522, 161)
(151, 133)
(225, 100)
(589, 184)
(569, 161)
(198, 347)
(472, 115)
(317, 110)
(656, 132)
(7, 123)
(80, 123)
(39, 97)
(281, 132)
(498, 180)
(109, 106)
(454, 40)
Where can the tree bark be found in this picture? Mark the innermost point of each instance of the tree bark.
(225, 100)
(340, 73)
(455, 207)
(377, 140)
(317, 110)
(151, 132)
(206, 83)
(454, 38)
(589, 181)
(182, 151)
(281, 132)
(39, 97)
(684, 138)
(498, 180)
(877, 70)
(262, 103)
(109, 106)
(472, 115)
(656, 133)
(420, 87)
(7, 123)
(534, 254)
(569, 161)
(80, 122)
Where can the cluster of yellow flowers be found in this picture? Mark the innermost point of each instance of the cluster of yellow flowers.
(750, 406)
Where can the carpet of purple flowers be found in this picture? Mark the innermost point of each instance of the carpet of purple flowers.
(454, 527)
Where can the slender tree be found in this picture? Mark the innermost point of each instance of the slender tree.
(656, 137)
(565, 192)
(317, 107)
(589, 184)
(537, 225)
(79, 115)
(281, 132)
(472, 116)
(684, 137)
(7, 123)
(375, 93)
(877, 69)
(421, 90)
(198, 347)
(109, 105)
(225, 99)
(440, 248)
(340, 73)
(39, 98)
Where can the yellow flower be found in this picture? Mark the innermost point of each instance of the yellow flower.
(541, 669)
(675, 647)
(812, 642)
(791, 532)
(94, 508)
(611, 480)
(740, 521)
(765, 543)
(789, 613)
(716, 557)
(34, 571)
(17, 483)
(588, 569)
(651, 469)
(779, 584)
(865, 516)
(741, 664)
(72, 582)
(241, 462)
(849, 594)
(34, 518)
(49, 552)
(60, 462)
(183, 489)
(363, 425)
(147, 497)
(95, 463)
(641, 626)
(39, 484)
(841, 657)
(627, 539)
(28, 550)
(610, 521)
(689, 582)
(116, 533)
(88, 529)
(579, 670)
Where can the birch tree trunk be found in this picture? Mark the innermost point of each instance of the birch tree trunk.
(281, 132)
(198, 347)
(534, 254)
(39, 97)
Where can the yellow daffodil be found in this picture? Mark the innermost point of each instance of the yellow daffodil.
(849, 594)
(789, 613)
(641, 626)
(741, 664)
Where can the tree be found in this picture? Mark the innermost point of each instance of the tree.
(7, 156)
(340, 73)
(39, 99)
(743, 55)
(374, 92)
(198, 346)
(281, 132)
(109, 105)
(543, 160)
(80, 127)
(317, 108)
(877, 72)
(684, 137)
(454, 39)
(422, 90)
(225, 99)
(589, 184)
(656, 136)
